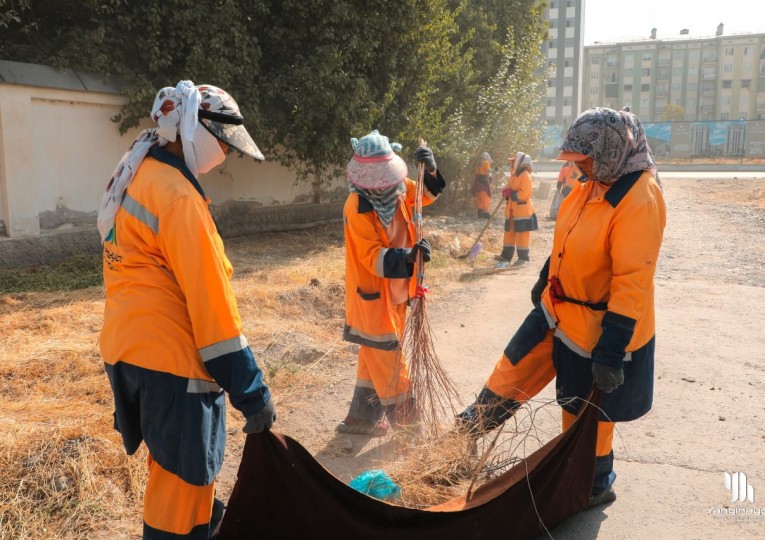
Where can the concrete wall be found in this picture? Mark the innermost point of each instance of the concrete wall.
(59, 147)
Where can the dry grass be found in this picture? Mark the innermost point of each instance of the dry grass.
(63, 470)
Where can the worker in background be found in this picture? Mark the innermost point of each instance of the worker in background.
(520, 218)
(481, 189)
(380, 256)
(593, 320)
(568, 178)
(172, 340)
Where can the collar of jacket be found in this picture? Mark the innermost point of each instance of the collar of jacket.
(160, 154)
(364, 205)
(620, 188)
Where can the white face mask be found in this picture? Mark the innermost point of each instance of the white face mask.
(207, 150)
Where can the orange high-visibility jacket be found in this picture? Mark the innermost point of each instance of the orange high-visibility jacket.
(371, 262)
(568, 176)
(483, 168)
(171, 324)
(520, 206)
(604, 251)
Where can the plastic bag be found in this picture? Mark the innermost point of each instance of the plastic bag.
(377, 484)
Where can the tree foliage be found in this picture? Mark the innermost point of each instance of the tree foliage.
(310, 74)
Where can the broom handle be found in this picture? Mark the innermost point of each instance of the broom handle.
(488, 221)
(420, 266)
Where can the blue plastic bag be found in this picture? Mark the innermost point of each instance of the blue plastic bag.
(377, 484)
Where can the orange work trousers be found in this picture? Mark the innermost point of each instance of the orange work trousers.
(482, 201)
(528, 377)
(171, 505)
(386, 371)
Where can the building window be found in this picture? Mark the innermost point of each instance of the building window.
(566, 102)
(725, 100)
(748, 50)
(593, 91)
(743, 116)
(645, 87)
(628, 88)
(646, 57)
(594, 75)
(727, 84)
(746, 83)
(692, 87)
(677, 72)
(549, 102)
(627, 73)
(552, 24)
(727, 68)
(595, 60)
(723, 116)
(566, 63)
(728, 51)
(675, 88)
(550, 44)
(568, 23)
(646, 72)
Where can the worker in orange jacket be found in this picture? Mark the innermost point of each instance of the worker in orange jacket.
(172, 340)
(380, 253)
(568, 178)
(593, 320)
(520, 218)
(481, 188)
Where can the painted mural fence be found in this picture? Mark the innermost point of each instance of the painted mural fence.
(702, 139)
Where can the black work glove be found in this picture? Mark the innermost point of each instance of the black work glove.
(261, 420)
(425, 155)
(424, 246)
(607, 378)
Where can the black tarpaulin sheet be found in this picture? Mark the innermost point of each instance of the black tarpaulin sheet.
(283, 492)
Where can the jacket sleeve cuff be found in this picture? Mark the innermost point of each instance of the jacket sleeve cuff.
(239, 375)
(612, 345)
(395, 265)
(435, 184)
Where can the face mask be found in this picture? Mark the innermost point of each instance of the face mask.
(207, 150)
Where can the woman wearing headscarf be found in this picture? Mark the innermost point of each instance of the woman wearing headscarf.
(520, 218)
(481, 189)
(380, 254)
(593, 316)
(172, 340)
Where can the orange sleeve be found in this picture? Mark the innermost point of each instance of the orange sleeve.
(635, 239)
(364, 240)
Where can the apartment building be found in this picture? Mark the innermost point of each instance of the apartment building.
(716, 78)
(564, 51)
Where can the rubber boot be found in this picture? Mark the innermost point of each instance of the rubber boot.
(488, 412)
(523, 257)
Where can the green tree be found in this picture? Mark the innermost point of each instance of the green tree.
(310, 74)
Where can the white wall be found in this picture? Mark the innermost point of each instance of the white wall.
(59, 147)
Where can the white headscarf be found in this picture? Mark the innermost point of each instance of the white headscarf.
(175, 111)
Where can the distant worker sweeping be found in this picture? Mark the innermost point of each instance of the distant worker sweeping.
(380, 255)
(593, 316)
(481, 188)
(172, 340)
(520, 218)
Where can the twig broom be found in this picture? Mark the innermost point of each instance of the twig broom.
(432, 389)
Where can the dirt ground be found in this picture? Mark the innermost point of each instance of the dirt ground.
(709, 410)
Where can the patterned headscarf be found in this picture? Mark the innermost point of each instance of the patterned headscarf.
(200, 115)
(377, 173)
(615, 140)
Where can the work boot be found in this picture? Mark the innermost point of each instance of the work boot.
(488, 412)
(218, 509)
(483, 215)
(604, 497)
(507, 254)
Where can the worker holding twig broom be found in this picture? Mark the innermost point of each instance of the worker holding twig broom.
(381, 251)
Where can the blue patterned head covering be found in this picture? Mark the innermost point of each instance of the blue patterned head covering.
(375, 164)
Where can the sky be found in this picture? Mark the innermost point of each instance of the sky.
(614, 20)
